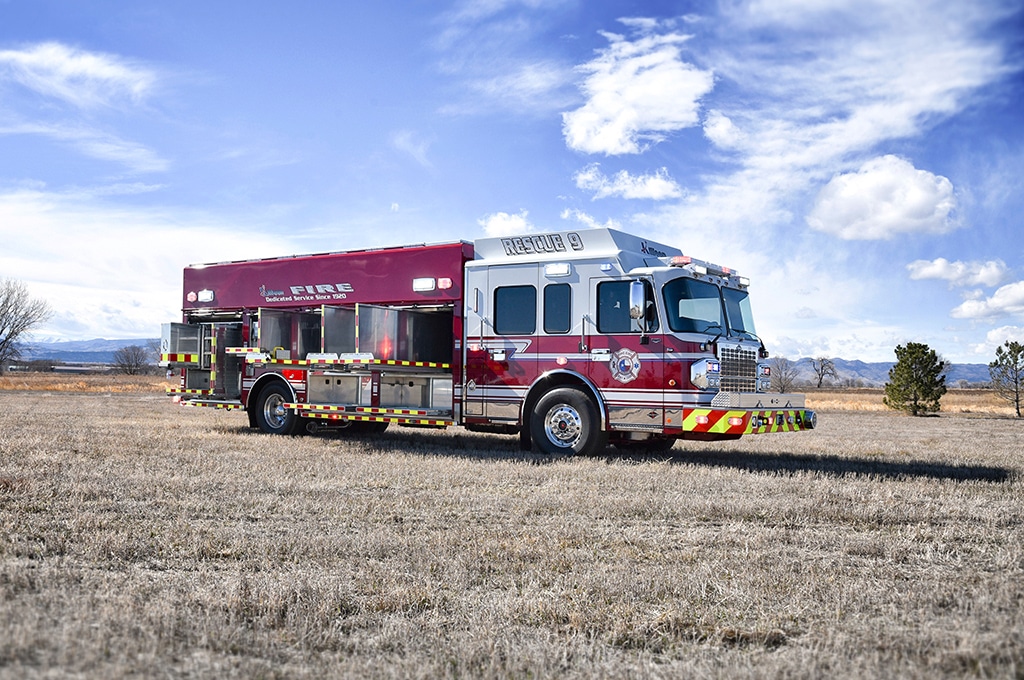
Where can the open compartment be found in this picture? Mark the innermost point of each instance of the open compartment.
(287, 334)
(181, 339)
(405, 334)
(338, 330)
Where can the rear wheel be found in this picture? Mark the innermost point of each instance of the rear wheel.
(565, 421)
(271, 416)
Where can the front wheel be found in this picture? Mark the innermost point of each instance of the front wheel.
(271, 416)
(565, 421)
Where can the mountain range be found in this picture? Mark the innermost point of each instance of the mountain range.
(851, 373)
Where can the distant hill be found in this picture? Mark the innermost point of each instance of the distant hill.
(860, 373)
(98, 351)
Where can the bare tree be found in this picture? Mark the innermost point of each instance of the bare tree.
(19, 314)
(131, 360)
(784, 374)
(824, 368)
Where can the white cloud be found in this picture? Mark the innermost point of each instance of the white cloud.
(505, 224)
(1007, 300)
(408, 142)
(84, 79)
(887, 196)
(996, 337)
(588, 220)
(111, 271)
(721, 131)
(95, 143)
(637, 92)
(805, 89)
(990, 273)
(658, 186)
(525, 86)
(487, 45)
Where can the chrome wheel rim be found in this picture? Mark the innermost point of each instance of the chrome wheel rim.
(274, 411)
(563, 426)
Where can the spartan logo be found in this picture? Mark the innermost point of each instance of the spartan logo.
(625, 365)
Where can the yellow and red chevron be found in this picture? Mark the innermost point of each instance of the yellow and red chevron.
(212, 404)
(715, 421)
(378, 419)
(181, 390)
(177, 358)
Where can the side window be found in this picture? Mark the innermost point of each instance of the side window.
(557, 308)
(613, 309)
(515, 310)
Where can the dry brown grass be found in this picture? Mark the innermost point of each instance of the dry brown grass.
(138, 538)
(985, 402)
(89, 382)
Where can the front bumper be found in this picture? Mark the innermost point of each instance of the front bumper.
(739, 413)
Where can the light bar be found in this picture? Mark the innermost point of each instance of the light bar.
(700, 267)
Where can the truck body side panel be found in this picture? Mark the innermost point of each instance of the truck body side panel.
(383, 276)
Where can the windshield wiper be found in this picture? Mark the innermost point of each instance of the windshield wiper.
(707, 329)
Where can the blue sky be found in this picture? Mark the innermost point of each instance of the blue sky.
(861, 162)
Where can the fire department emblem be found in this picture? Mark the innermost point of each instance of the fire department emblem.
(625, 365)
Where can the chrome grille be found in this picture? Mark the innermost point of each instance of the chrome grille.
(739, 368)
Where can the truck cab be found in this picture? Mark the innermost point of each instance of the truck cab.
(644, 345)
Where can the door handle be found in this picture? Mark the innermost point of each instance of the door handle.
(600, 352)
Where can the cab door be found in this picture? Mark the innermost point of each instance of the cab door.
(627, 355)
(501, 353)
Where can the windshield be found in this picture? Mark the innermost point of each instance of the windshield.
(693, 306)
(697, 307)
(737, 309)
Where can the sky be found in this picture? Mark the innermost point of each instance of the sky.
(862, 162)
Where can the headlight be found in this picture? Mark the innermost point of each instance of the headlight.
(706, 374)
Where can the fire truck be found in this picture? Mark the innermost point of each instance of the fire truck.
(571, 340)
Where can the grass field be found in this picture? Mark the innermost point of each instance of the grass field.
(138, 538)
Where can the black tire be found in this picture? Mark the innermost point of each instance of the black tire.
(565, 421)
(271, 417)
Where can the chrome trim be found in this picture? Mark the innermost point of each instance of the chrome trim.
(601, 406)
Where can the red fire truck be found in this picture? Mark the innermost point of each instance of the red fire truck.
(572, 340)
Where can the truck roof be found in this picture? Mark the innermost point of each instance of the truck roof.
(611, 244)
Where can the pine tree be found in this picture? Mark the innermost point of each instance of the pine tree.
(917, 381)
(1007, 372)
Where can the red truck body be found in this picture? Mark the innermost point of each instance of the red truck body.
(570, 339)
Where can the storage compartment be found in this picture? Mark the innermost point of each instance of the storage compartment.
(289, 335)
(397, 391)
(339, 330)
(441, 393)
(405, 334)
(326, 388)
(229, 366)
(197, 379)
(275, 330)
(180, 338)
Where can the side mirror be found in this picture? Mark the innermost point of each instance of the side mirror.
(638, 304)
